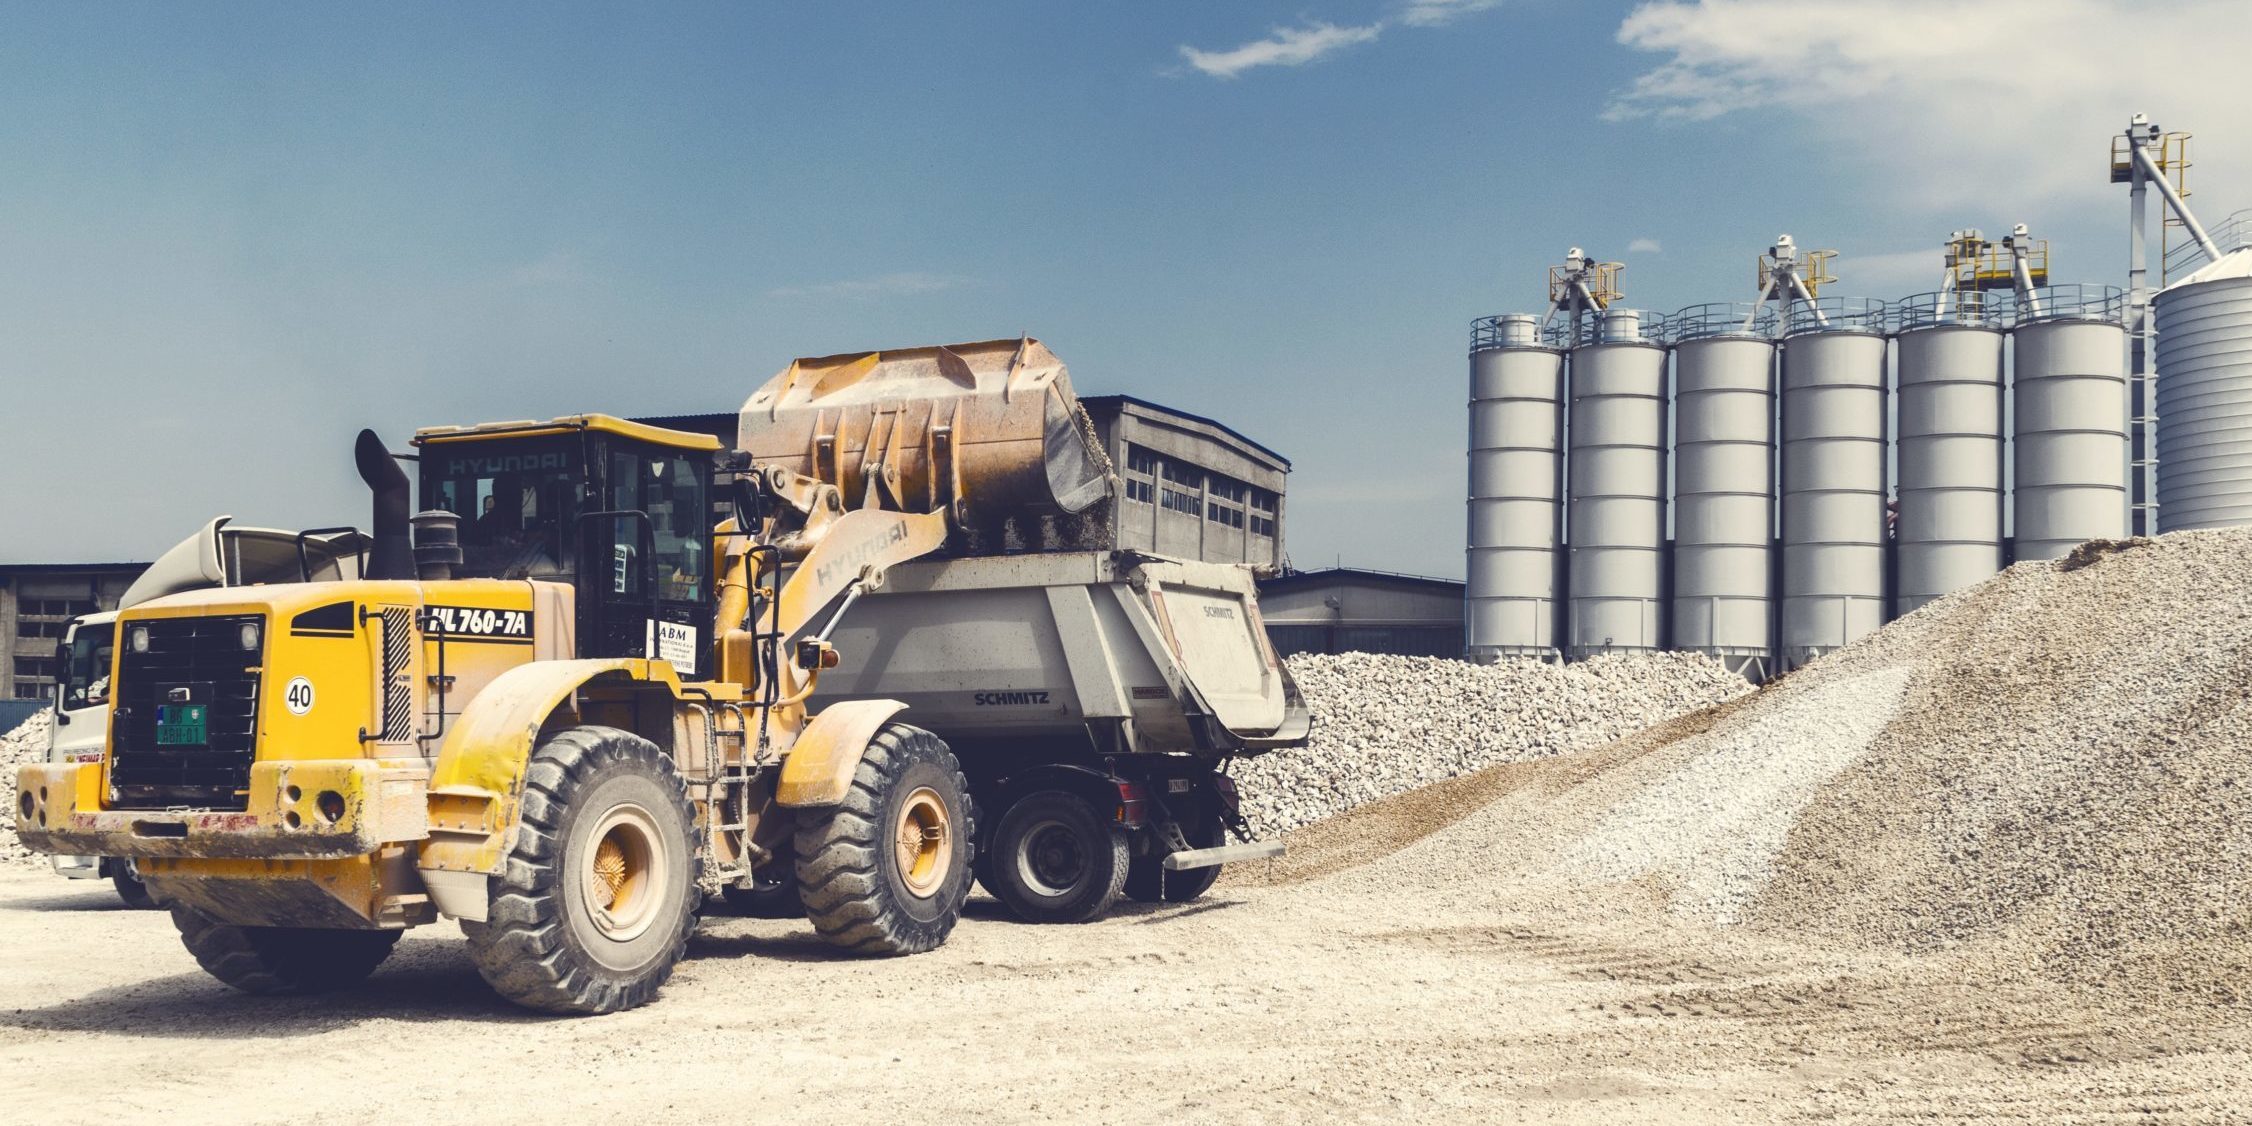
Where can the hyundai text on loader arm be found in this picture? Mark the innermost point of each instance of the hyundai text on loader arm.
(568, 704)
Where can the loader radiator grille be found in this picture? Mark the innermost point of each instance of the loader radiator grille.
(184, 728)
(398, 683)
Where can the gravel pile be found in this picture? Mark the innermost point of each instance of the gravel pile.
(1384, 725)
(27, 743)
(2068, 784)
(2047, 776)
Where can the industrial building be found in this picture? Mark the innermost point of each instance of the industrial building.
(1347, 610)
(37, 601)
(1766, 481)
(1192, 488)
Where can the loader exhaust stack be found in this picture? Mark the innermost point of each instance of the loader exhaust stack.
(391, 555)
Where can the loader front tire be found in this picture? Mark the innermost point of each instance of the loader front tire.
(269, 960)
(885, 871)
(594, 906)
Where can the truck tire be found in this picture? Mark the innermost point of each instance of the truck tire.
(885, 871)
(1149, 882)
(1056, 860)
(127, 880)
(269, 960)
(594, 906)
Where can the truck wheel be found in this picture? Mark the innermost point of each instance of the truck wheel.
(1149, 882)
(773, 894)
(886, 870)
(1055, 860)
(127, 880)
(593, 908)
(281, 959)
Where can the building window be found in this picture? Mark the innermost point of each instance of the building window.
(1263, 504)
(35, 668)
(1141, 467)
(1227, 498)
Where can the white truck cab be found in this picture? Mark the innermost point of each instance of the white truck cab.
(81, 733)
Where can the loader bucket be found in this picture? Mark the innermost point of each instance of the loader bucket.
(984, 431)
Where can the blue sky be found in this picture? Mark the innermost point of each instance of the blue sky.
(230, 235)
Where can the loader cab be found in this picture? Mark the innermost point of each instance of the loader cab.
(620, 511)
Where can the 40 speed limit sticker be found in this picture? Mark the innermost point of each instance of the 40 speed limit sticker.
(299, 696)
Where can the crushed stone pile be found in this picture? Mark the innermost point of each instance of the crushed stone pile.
(2046, 776)
(1386, 724)
(27, 743)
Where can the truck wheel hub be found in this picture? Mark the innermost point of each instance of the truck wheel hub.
(1052, 860)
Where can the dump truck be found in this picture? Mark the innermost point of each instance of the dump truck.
(577, 691)
(1094, 697)
(220, 553)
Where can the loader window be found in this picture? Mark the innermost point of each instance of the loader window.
(673, 488)
(516, 498)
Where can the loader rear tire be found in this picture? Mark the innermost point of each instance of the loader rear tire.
(594, 906)
(269, 960)
(886, 870)
(1056, 859)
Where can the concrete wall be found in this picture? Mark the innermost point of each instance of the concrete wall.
(36, 603)
(1346, 611)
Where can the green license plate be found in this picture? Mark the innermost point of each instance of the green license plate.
(177, 724)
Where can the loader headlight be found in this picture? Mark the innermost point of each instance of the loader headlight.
(249, 635)
(137, 639)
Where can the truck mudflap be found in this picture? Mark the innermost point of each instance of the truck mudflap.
(297, 810)
(1224, 854)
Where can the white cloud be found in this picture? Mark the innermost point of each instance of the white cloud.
(1644, 246)
(861, 289)
(2004, 101)
(1432, 13)
(1287, 46)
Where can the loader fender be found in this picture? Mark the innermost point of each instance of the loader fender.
(821, 763)
(478, 779)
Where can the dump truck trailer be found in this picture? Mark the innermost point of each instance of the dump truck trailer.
(1103, 692)
(571, 700)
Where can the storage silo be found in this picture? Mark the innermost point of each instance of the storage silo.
(1722, 601)
(1516, 490)
(2205, 397)
(1833, 476)
(1949, 533)
(1616, 484)
(2068, 387)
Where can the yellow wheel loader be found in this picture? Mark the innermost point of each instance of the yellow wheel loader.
(565, 706)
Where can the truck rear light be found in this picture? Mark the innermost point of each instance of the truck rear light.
(1133, 805)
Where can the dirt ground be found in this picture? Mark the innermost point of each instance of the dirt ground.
(1309, 996)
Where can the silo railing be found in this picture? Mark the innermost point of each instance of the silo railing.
(2070, 302)
(2230, 234)
(1507, 331)
(1972, 309)
(1723, 318)
(1836, 314)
